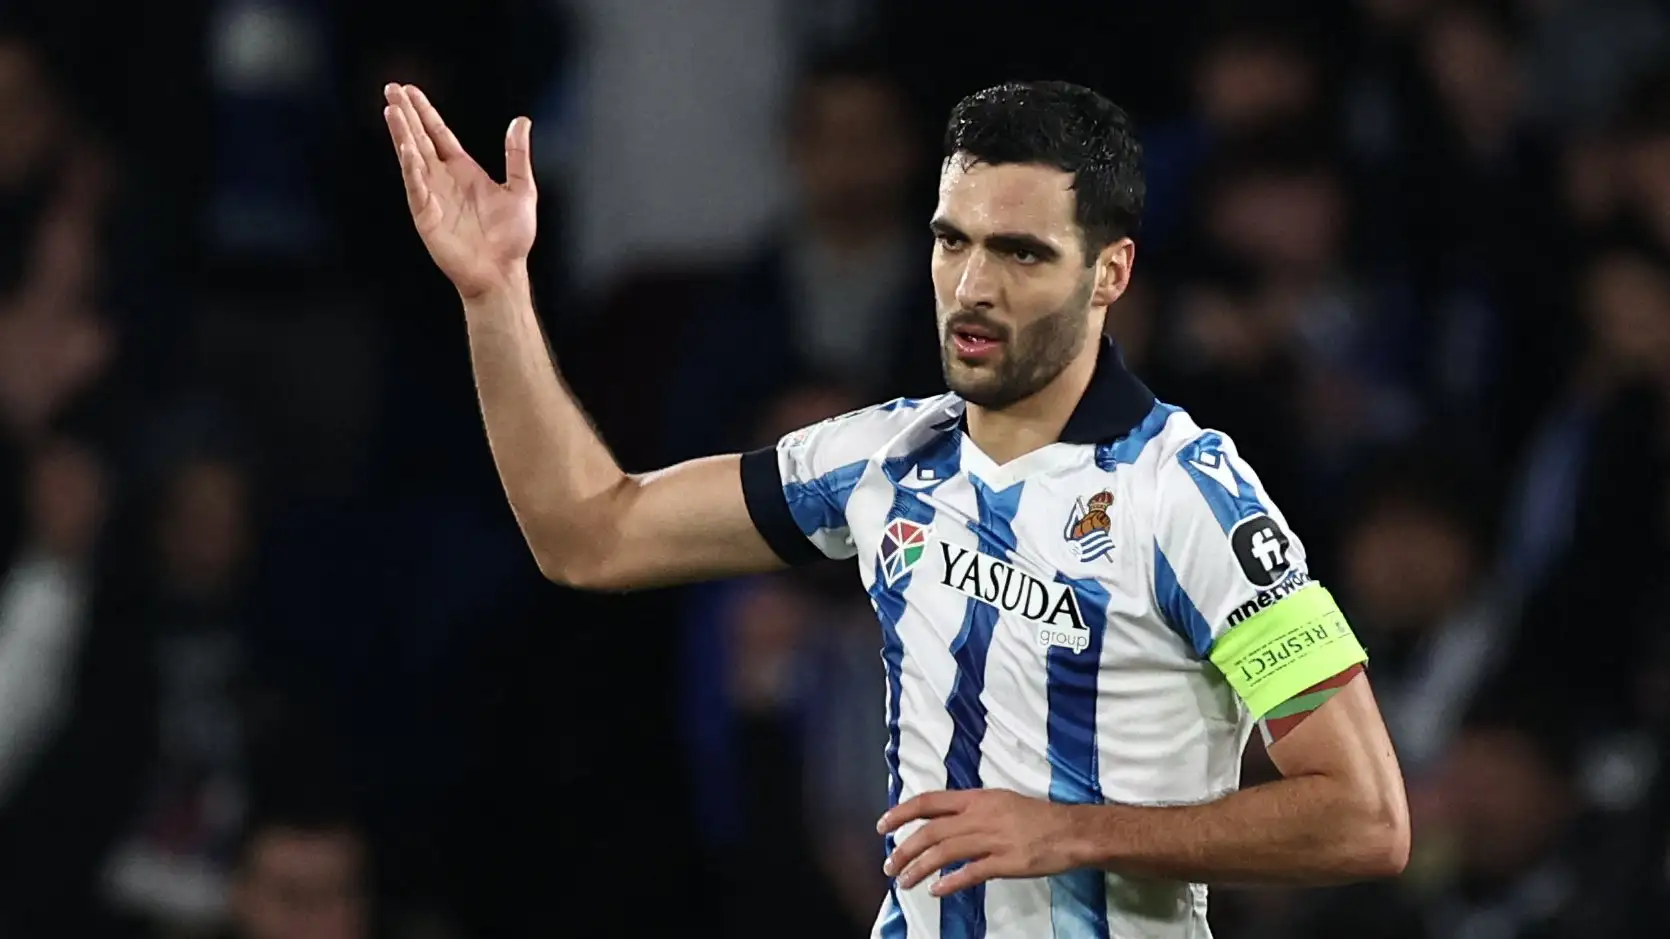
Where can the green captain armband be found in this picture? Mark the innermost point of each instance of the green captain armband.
(1288, 647)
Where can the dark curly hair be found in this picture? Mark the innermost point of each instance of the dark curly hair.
(1068, 127)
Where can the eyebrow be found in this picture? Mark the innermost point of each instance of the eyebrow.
(1005, 242)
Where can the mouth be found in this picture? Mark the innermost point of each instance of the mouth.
(973, 341)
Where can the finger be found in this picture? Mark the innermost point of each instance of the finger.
(926, 805)
(398, 96)
(446, 144)
(412, 170)
(967, 876)
(400, 132)
(921, 841)
(940, 856)
(518, 159)
(417, 185)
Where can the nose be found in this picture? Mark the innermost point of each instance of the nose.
(977, 288)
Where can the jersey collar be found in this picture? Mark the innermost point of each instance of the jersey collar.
(1113, 405)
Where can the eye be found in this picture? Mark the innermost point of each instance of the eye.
(1023, 256)
(949, 241)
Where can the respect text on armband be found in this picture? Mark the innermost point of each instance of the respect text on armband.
(1298, 642)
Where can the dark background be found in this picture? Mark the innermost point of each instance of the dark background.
(1411, 254)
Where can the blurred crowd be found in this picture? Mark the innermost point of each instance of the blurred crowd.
(275, 665)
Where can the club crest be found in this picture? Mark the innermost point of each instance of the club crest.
(1089, 530)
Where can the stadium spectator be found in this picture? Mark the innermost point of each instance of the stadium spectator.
(302, 875)
(1416, 571)
(54, 342)
(189, 603)
(779, 683)
(1499, 828)
(1482, 193)
(838, 289)
(1252, 71)
(1644, 137)
(45, 603)
(54, 814)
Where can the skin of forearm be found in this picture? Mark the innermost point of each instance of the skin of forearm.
(1302, 830)
(559, 476)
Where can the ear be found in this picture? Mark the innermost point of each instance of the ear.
(1113, 271)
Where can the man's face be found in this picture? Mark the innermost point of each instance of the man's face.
(302, 885)
(1011, 288)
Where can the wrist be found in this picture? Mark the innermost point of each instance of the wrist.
(1092, 839)
(512, 282)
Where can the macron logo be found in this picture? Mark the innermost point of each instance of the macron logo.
(1215, 465)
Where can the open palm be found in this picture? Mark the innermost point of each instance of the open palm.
(478, 230)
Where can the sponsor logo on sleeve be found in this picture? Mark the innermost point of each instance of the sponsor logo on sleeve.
(1261, 548)
(1265, 599)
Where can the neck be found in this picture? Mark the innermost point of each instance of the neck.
(1035, 421)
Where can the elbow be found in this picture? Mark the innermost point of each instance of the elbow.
(576, 573)
(555, 564)
(589, 579)
(1380, 841)
(553, 568)
(1387, 852)
(576, 550)
(588, 571)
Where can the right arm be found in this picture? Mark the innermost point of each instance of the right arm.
(588, 523)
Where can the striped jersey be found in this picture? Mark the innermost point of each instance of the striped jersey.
(1045, 623)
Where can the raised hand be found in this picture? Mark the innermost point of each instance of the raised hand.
(479, 231)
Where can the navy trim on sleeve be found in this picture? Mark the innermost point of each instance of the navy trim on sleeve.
(762, 490)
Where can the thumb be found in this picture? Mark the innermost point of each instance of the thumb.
(518, 162)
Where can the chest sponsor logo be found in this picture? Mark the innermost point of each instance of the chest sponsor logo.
(1053, 608)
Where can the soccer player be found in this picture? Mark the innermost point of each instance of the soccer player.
(1087, 602)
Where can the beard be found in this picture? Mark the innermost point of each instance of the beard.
(1030, 358)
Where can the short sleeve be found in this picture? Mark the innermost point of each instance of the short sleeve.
(797, 491)
(1231, 577)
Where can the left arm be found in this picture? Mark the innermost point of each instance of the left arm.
(1337, 815)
